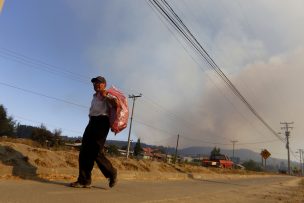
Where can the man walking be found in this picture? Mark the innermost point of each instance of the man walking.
(94, 137)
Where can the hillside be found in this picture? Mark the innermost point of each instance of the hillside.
(243, 154)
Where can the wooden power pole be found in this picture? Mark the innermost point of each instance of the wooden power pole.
(176, 149)
(134, 98)
(287, 134)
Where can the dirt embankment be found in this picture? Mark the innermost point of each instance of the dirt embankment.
(26, 160)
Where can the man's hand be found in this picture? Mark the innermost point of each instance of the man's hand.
(104, 92)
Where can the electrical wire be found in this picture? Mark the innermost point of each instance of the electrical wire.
(43, 95)
(39, 122)
(169, 14)
(40, 65)
(25, 61)
(215, 85)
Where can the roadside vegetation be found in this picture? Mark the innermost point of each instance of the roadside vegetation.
(40, 139)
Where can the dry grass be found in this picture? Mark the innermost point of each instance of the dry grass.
(21, 154)
(28, 142)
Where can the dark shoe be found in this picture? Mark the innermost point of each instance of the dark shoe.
(113, 181)
(79, 185)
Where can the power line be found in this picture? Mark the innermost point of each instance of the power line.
(169, 14)
(68, 102)
(184, 122)
(153, 127)
(39, 122)
(140, 122)
(198, 140)
(172, 134)
(215, 85)
(43, 95)
(262, 142)
(204, 142)
(40, 65)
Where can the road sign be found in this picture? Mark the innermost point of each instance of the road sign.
(265, 154)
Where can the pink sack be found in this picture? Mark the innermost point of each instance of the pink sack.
(118, 116)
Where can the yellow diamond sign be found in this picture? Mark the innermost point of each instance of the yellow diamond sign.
(265, 154)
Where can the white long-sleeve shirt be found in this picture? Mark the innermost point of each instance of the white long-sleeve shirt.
(100, 106)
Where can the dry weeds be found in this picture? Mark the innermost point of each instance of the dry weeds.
(22, 158)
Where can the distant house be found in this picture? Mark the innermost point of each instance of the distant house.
(159, 156)
(187, 159)
(169, 158)
(147, 153)
(124, 152)
(77, 143)
(200, 158)
(153, 154)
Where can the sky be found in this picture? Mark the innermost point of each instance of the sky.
(50, 50)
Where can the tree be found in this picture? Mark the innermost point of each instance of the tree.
(43, 136)
(24, 131)
(215, 152)
(7, 125)
(137, 149)
(252, 165)
(57, 138)
(113, 150)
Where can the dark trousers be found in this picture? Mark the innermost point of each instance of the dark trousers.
(92, 150)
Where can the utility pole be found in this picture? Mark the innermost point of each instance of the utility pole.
(134, 97)
(287, 134)
(301, 160)
(233, 143)
(262, 157)
(176, 149)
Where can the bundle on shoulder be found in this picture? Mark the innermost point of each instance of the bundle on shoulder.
(118, 116)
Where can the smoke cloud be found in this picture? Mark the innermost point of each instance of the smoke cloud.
(258, 47)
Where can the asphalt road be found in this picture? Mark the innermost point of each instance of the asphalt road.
(137, 191)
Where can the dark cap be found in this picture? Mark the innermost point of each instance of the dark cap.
(99, 79)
